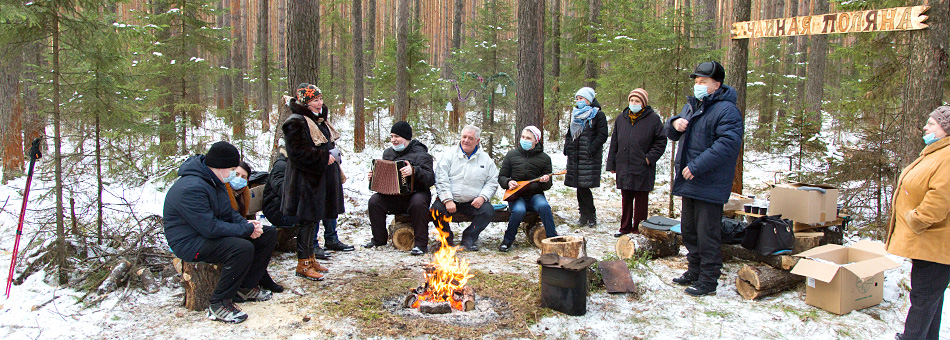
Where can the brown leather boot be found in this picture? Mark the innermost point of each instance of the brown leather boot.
(305, 270)
(317, 266)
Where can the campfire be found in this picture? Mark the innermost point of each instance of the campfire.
(445, 288)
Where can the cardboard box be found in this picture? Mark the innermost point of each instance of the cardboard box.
(842, 279)
(257, 200)
(736, 202)
(804, 206)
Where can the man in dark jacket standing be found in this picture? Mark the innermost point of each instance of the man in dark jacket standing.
(709, 130)
(201, 226)
(584, 148)
(416, 203)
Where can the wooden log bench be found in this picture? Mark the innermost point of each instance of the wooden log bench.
(401, 233)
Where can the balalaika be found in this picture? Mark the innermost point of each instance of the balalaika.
(388, 180)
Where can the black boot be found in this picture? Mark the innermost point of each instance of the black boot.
(267, 282)
(332, 242)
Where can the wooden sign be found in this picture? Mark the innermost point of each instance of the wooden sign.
(878, 20)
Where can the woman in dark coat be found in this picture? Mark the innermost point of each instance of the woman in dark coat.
(313, 187)
(527, 161)
(584, 148)
(636, 144)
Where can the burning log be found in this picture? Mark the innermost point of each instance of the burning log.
(435, 307)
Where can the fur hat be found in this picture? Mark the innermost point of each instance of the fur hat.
(222, 155)
(587, 93)
(402, 129)
(640, 94)
(711, 69)
(942, 115)
(306, 93)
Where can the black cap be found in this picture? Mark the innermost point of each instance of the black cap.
(222, 155)
(709, 69)
(402, 129)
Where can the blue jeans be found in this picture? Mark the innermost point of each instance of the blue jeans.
(519, 208)
(329, 231)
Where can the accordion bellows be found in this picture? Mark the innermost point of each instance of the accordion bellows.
(387, 180)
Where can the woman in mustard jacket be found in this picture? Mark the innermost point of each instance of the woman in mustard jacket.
(919, 228)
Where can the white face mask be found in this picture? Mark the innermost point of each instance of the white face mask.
(700, 91)
(231, 176)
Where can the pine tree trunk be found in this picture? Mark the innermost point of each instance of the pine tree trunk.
(58, 155)
(238, 67)
(736, 75)
(705, 19)
(11, 112)
(34, 124)
(263, 41)
(303, 56)
(925, 83)
(801, 59)
(370, 36)
(530, 82)
(590, 64)
(402, 62)
(282, 35)
(554, 121)
(815, 79)
(455, 118)
(359, 120)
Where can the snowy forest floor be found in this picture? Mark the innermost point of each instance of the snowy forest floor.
(357, 300)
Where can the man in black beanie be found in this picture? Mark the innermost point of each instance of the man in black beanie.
(201, 226)
(415, 203)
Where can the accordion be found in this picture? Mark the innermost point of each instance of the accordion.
(388, 180)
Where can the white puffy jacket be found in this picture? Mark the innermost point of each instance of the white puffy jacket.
(461, 179)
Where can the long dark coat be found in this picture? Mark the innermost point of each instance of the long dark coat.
(522, 165)
(313, 190)
(273, 190)
(632, 145)
(585, 155)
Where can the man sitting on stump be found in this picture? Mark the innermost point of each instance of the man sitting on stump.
(201, 226)
(465, 180)
(416, 203)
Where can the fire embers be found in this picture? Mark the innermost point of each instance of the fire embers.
(446, 275)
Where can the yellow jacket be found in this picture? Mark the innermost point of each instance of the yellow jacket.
(918, 227)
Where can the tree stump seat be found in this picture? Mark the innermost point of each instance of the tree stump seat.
(199, 280)
(401, 233)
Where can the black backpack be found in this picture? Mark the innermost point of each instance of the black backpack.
(769, 235)
(733, 231)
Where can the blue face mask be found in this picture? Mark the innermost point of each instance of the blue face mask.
(231, 176)
(930, 138)
(699, 91)
(580, 104)
(526, 145)
(238, 183)
(399, 148)
(635, 108)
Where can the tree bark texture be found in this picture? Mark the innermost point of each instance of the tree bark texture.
(359, 120)
(238, 67)
(455, 117)
(705, 22)
(925, 82)
(303, 37)
(815, 78)
(591, 64)
(735, 251)
(754, 282)
(530, 81)
(736, 76)
(11, 112)
(199, 280)
(402, 62)
(57, 153)
(264, 95)
(554, 120)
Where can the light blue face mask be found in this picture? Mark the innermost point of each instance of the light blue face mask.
(237, 183)
(699, 91)
(635, 108)
(399, 148)
(930, 138)
(580, 104)
(231, 176)
(526, 145)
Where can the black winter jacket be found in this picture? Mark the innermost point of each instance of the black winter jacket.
(709, 146)
(585, 155)
(632, 145)
(521, 165)
(313, 190)
(418, 155)
(273, 190)
(198, 208)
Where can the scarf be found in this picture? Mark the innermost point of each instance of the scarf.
(634, 116)
(317, 135)
(239, 199)
(581, 118)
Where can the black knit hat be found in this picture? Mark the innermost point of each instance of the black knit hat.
(711, 69)
(402, 129)
(222, 155)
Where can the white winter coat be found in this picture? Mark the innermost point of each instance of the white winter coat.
(462, 179)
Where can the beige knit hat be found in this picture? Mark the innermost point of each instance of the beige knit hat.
(640, 94)
(942, 115)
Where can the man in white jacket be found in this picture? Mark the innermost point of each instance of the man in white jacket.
(465, 180)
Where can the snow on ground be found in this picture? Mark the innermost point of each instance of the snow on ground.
(38, 309)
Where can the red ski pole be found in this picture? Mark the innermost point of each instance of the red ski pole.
(34, 155)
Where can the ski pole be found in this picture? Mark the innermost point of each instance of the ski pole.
(34, 155)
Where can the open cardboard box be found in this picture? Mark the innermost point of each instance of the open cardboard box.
(842, 279)
(804, 206)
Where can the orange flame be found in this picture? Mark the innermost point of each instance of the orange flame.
(447, 274)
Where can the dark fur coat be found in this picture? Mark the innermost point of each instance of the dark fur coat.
(313, 190)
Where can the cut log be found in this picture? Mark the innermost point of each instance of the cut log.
(435, 307)
(765, 277)
(628, 245)
(567, 246)
(735, 251)
(149, 284)
(807, 240)
(468, 298)
(536, 234)
(199, 280)
(117, 276)
(402, 235)
(659, 235)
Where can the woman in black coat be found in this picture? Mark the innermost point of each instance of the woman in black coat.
(527, 161)
(636, 144)
(313, 186)
(584, 148)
